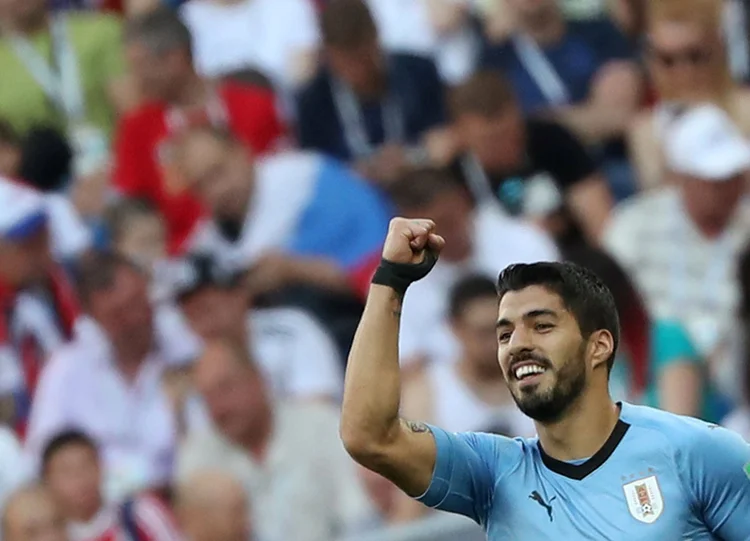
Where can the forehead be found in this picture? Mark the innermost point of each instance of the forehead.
(676, 33)
(515, 304)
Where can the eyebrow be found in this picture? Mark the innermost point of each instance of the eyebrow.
(532, 314)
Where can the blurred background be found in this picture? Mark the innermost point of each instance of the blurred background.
(194, 195)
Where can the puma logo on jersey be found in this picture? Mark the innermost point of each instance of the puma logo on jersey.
(540, 500)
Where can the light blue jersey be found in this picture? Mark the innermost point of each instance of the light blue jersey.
(659, 477)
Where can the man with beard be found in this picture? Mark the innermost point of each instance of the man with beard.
(596, 470)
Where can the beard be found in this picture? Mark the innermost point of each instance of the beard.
(550, 405)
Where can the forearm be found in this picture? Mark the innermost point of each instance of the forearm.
(594, 123)
(372, 388)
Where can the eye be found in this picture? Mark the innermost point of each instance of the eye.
(543, 327)
(503, 337)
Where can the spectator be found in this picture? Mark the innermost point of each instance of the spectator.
(31, 514)
(38, 305)
(291, 218)
(72, 472)
(255, 34)
(470, 393)
(137, 231)
(109, 381)
(540, 172)
(213, 506)
(680, 243)
(657, 364)
(289, 457)
(80, 93)
(296, 354)
(688, 65)
(479, 239)
(442, 29)
(579, 72)
(366, 107)
(159, 51)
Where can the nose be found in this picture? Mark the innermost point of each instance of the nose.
(520, 341)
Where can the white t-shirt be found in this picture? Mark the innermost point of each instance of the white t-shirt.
(298, 356)
(70, 236)
(306, 490)
(499, 242)
(262, 34)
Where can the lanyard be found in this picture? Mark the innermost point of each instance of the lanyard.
(353, 123)
(476, 178)
(60, 79)
(541, 70)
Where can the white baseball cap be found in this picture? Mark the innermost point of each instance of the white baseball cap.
(24, 210)
(703, 142)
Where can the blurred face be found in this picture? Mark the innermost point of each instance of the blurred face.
(712, 203)
(124, 312)
(224, 518)
(234, 393)
(216, 313)
(219, 173)
(144, 241)
(26, 262)
(74, 477)
(35, 518)
(541, 352)
(685, 62)
(10, 159)
(159, 76)
(451, 211)
(475, 329)
(22, 12)
(362, 68)
(534, 12)
(499, 142)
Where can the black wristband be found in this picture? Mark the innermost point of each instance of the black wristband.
(399, 276)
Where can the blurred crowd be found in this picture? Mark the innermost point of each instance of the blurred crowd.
(193, 198)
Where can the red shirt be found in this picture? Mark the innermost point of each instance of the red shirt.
(142, 165)
(153, 521)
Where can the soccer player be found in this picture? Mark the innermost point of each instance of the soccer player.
(598, 470)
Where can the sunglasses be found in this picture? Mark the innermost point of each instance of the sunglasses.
(694, 56)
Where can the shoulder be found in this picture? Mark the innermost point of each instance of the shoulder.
(247, 95)
(288, 169)
(411, 63)
(652, 203)
(528, 242)
(545, 134)
(317, 90)
(143, 117)
(286, 322)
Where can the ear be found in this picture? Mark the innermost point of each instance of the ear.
(601, 345)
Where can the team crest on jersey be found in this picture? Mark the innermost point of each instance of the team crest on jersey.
(644, 499)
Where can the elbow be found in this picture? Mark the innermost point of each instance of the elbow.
(366, 447)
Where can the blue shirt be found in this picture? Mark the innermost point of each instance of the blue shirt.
(658, 477)
(576, 58)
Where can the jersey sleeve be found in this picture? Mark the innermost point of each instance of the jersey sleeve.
(467, 469)
(718, 470)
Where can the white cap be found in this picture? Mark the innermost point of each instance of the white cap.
(24, 210)
(704, 143)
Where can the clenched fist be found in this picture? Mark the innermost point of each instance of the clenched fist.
(407, 239)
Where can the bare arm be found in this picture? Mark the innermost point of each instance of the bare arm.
(371, 428)
(680, 389)
(615, 97)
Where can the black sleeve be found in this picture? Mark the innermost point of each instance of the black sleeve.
(555, 149)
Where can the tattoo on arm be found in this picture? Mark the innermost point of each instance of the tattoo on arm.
(416, 426)
(398, 301)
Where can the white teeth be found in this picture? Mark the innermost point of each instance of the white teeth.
(528, 370)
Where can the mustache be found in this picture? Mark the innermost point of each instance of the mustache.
(524, 356)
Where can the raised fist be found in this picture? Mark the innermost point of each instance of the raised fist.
(407, 239)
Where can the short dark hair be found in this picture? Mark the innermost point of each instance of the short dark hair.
(119, 216)
(65, 439)
(96, 272)
(582, 293)
(346, 24)
(420, 187)
(160, 29)
(467, 290)
(487, 93)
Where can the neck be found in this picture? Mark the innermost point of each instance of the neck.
(257, 441)
(546, 29)
(583, 430)
(129, 360)
(85, 516)
(192, 93)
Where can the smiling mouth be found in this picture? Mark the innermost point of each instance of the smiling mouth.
(527, 371)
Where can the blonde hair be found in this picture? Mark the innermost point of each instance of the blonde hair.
(708, 16)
